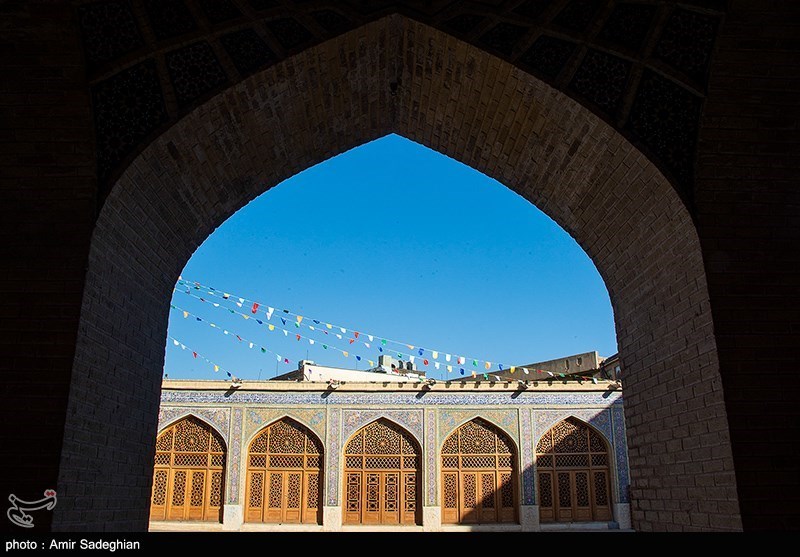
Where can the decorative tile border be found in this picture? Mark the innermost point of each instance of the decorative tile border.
(432, 452)
(334, 439)
(621, 452)
(235, 460)
(257, 418)
(526, 444)
(450, 420)
(353, 420)
(218, 418)
(595, 398)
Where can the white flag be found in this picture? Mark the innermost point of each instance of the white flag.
(447, 357)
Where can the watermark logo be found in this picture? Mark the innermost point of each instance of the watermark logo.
(16, 512)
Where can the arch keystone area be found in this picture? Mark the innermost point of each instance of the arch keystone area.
(397, 75)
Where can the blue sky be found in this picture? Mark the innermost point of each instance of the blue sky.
(397, 241)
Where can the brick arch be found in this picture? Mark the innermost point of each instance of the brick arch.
(627, 63)
(458, 100)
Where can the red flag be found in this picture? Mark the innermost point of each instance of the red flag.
(355, 333)
(237, 336)
(286, 360)
(352, 340)
(255, 307)
(194, 354)
(425, 362)
(298, 337)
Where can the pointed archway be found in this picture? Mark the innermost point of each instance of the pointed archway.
(479, 475)
(573, 473)
(382, 465)
(397, 75)
(189, 473)
(284, 475)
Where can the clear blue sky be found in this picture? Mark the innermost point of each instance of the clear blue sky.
(398, 241)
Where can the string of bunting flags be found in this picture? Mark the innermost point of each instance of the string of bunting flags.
(324, 327)
(197, 355)
(251, 344)
(325, 346)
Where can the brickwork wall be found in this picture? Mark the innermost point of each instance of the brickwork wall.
(748, 201)
(48, 187)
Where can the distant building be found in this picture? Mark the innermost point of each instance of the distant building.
(388, 369)
(330, 448)
(586, 364)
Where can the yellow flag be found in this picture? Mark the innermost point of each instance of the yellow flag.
(246, 316)
(512, 369)
(299, 318)
(345, 354)
(271, 327)
(371, 363)
(329, 325)
(487, 365)
(216, 368)
(410, 346)
(449, 369)
(435, 355)
(185, 314)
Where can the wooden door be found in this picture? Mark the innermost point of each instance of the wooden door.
(284, 475)
(478, 471)
(188, 477)
(573, 473)
(380, 476)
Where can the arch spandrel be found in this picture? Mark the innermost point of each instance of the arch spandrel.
(410, 420)
(216, 418)
(256, 419)
(504, 420)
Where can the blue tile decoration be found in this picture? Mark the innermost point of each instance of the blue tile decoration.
(218, 418)
(258, 418)
(526, 444)
(429, 416)
(334, 440)
(353, 420)
(599, 418)
(235, 456)
(450, 420)
(621, 453)
(394, 398)
(431, 455)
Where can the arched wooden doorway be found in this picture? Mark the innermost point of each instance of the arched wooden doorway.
(189, 474)
(382, 476)
(284, 475)
(572, 461)
(478, 475)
